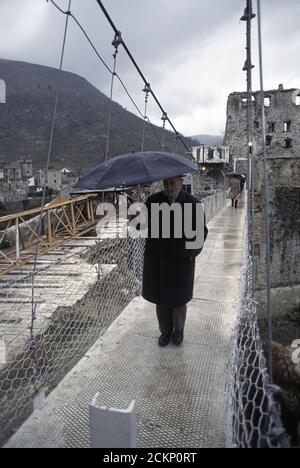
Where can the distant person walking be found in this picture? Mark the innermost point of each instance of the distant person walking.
(235, 191)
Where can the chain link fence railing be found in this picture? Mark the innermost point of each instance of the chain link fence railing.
(254, 419)
(48, 322)
(50, 319)
(213, 204)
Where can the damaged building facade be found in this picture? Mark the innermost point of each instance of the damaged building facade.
(213, 163)
(282, 110)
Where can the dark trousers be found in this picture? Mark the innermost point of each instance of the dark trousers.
(170, 318)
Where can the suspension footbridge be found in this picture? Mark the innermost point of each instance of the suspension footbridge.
(73, 323)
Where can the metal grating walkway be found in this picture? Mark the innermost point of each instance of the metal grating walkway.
(180, 392)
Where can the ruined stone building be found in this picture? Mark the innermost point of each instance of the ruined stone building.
(213, 163)
(282, 110)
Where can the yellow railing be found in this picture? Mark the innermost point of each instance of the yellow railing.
(22, 234)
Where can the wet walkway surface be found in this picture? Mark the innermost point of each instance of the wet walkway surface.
(180, 392)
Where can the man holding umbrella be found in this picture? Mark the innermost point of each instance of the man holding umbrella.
(169, 266)
(169, 261)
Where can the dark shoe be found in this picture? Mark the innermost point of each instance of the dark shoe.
(177, 337)
(235, 204)
(163, 340)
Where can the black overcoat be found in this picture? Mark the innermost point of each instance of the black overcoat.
(169, 268)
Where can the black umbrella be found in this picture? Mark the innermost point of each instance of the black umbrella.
(233, 174)
(135, 169)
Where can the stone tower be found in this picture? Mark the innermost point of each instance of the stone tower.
(282, 110)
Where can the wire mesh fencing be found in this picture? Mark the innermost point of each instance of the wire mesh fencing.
(214, 204)
(254, 419)
(51, 314)
(49, 321)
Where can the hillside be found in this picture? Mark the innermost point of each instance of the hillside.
(81, 123)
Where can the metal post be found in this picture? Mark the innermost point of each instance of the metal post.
(73, 219)
(266, 195)
(88, 211)
(116, 42)
(92, 212)
(49, 227)
(248, 17)
(146, 90)
(164, 118)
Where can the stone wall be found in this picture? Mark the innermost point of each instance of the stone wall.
(282, 123)
(212, 178)
(198, 182)
(283, 166)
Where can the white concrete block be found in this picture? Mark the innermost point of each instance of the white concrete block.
(112, 427)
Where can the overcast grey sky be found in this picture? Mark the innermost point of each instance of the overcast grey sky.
(191, 51)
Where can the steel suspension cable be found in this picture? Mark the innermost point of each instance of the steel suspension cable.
(248, 17)
(107, 67)
(164, 118)
(140, 72)
(116, 42)
(146, 90)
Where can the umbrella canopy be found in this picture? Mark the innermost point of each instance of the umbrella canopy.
(130, 169)
(234, 174)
